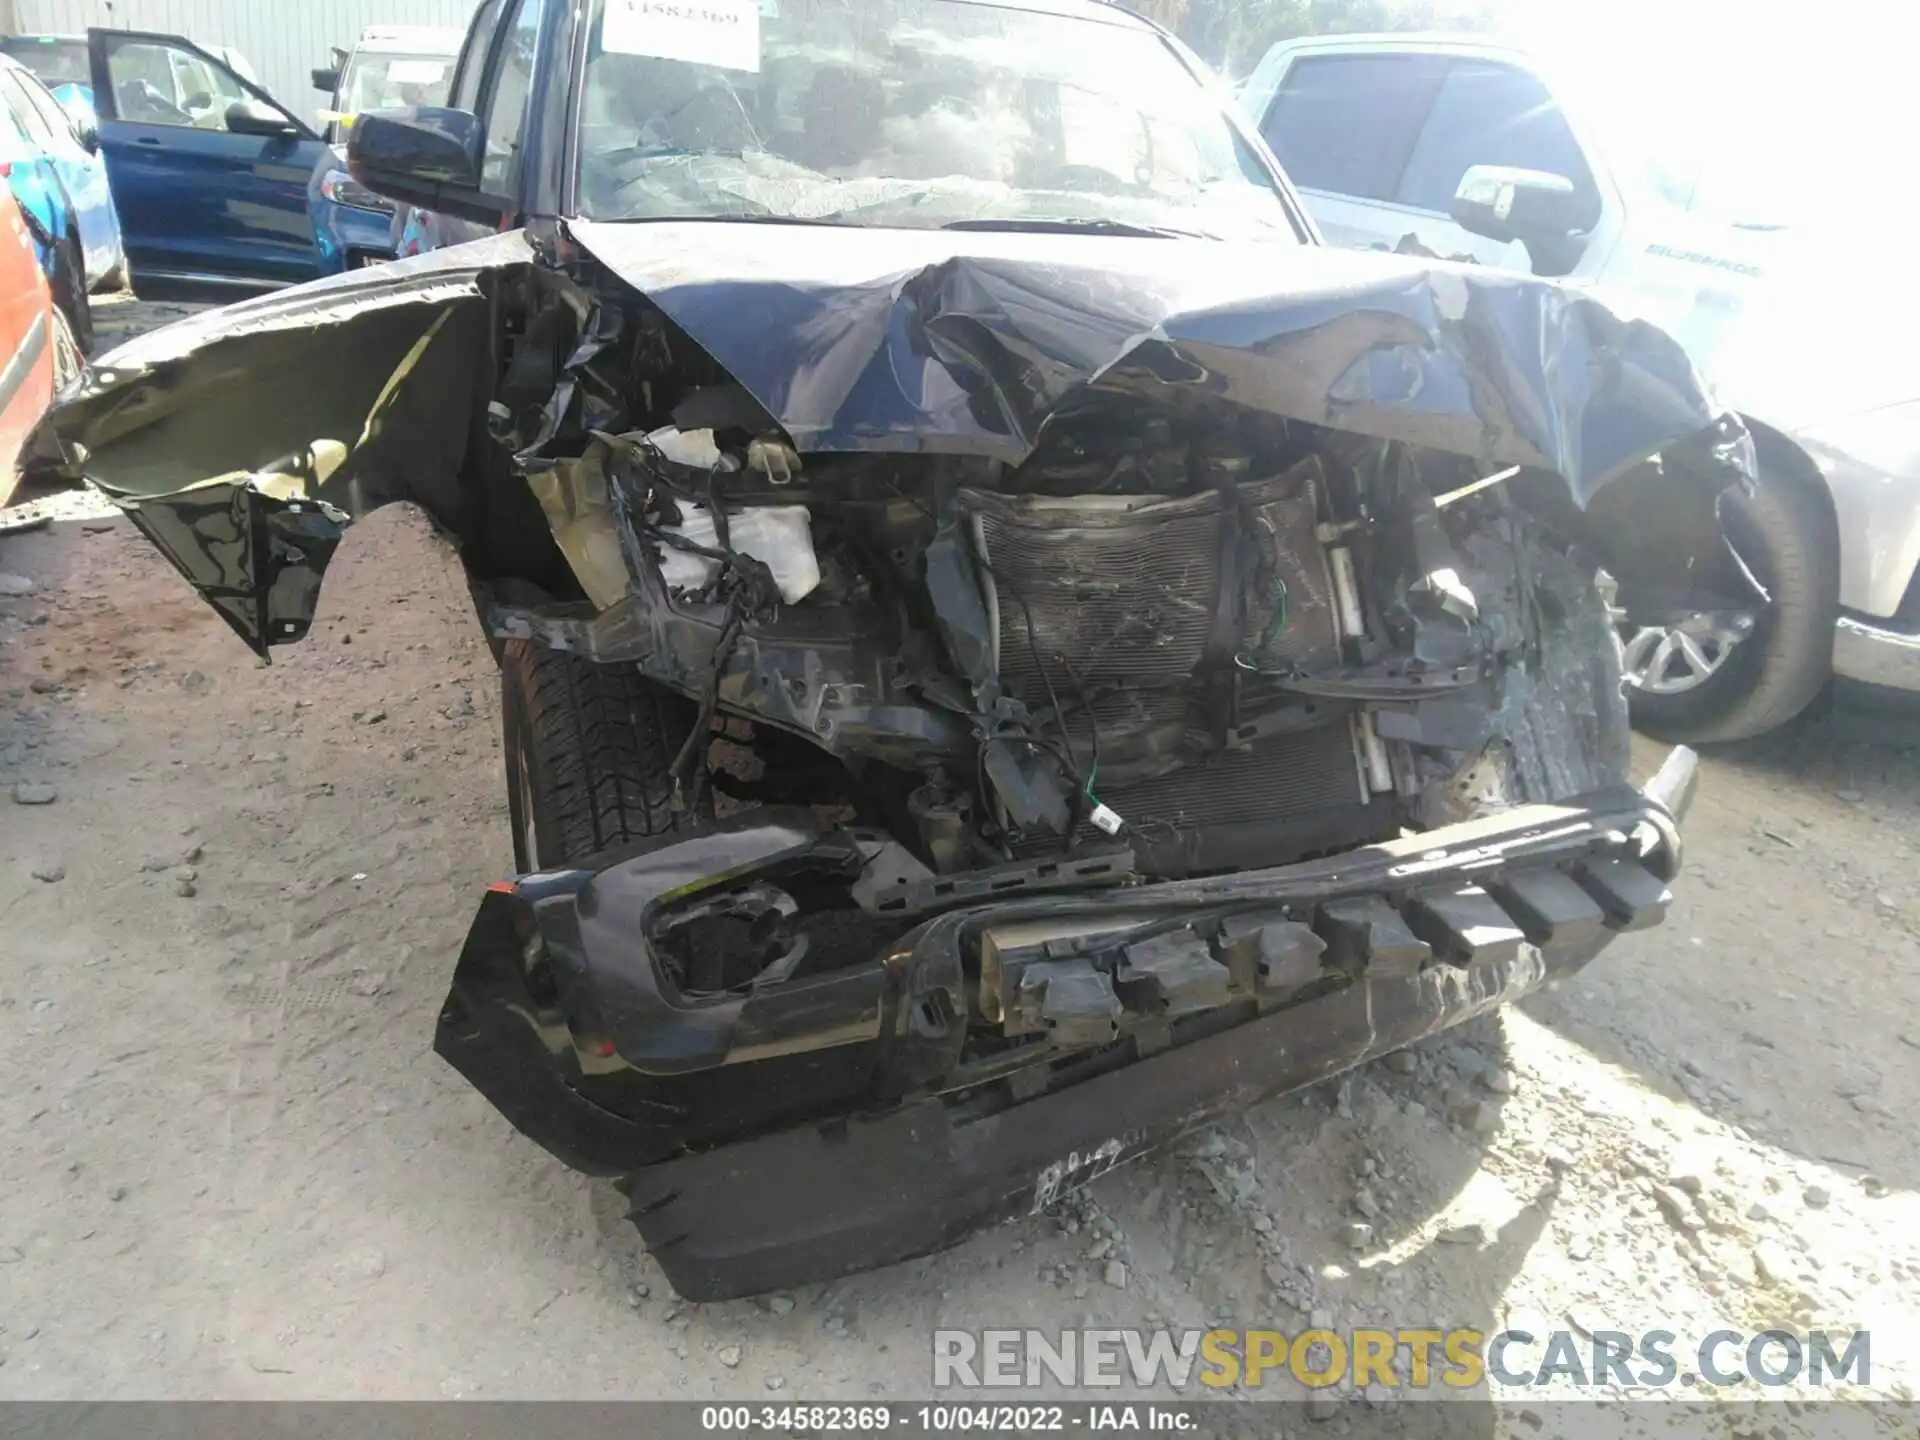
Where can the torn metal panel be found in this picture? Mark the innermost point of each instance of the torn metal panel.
(444, 275)
(258, 558)
(242, 441)
(895, 342)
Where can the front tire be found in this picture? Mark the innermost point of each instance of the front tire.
(588, 751)
(1786, 534)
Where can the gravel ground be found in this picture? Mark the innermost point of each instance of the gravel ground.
(236, 1170)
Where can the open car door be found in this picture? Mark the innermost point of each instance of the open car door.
(209, 171)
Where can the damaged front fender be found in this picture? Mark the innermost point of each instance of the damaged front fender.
(243, 441)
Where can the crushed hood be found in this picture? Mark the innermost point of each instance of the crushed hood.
(347, 393)
(897, 340)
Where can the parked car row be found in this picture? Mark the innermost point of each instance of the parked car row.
(390, 68)
(164, 162)
(1650, 196)
(55, 173)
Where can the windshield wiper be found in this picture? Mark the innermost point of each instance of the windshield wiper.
(1080, 227)
(768, 219)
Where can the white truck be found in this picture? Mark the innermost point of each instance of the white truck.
(1648, 193)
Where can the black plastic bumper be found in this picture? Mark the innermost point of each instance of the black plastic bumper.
(817, 1200)
(820, 1201)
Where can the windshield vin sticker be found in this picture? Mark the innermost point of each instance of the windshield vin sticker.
(725, 33)
(418, 72)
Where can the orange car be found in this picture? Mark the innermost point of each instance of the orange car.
(37, 352)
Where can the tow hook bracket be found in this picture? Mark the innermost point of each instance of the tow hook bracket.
(1069, 1000)
(1467, 926)
(1174, 975)
(1272, 957)
(1632, 897)
(1551, 906)
(1373, 937)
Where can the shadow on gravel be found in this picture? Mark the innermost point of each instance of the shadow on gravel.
(1841, 742)
(1783, 994)
(1341, 1232)
(1288, 1216)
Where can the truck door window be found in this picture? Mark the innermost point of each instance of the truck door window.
(142, 80)
(155, 83)
(1492, 114)
(1345, 123)
(507, 102)
(206, 90)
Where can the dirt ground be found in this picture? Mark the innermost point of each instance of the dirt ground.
(235, 1169)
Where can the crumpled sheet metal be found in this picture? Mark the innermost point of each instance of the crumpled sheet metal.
(212, 433)
(872, 340)
(968, 342)
(236, 388)
(431, 279)
(894, 341)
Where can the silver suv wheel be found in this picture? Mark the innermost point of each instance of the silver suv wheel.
(1671, 659)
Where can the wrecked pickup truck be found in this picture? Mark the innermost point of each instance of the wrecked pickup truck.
(1009, 648)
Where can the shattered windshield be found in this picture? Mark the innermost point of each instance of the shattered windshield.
(910, 113)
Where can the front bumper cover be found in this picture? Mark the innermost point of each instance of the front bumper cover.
(900, 1172)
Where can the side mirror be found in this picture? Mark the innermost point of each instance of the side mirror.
(326, 79)
(1504, 203)
(1542, 211)
(426, 156)
(87, 132)
(252, 117)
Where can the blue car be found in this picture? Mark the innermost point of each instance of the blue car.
(208, 171)
(59, 62)
(56, 175)
(352, 226)
(391, 67)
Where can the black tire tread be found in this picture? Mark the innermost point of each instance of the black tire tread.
(601, 740)
(68, 363)
(70, 292)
